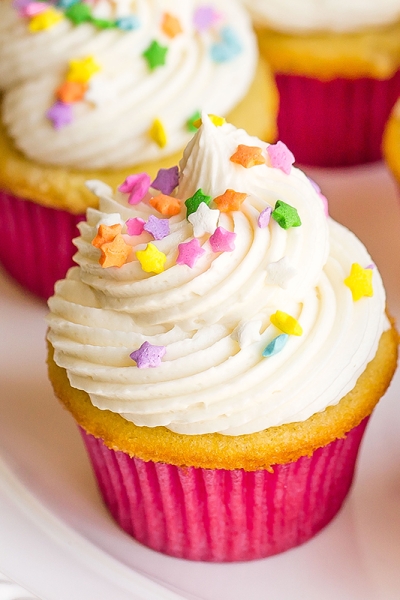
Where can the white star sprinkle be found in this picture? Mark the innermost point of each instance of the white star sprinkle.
(204, 220)
(111, 219)
(247, 333)
(281, 272)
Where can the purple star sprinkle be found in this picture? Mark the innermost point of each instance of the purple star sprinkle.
(222, 240)
(205, 17)
(189, 253)
(371, 266)
(281, 157)
(20, 4)
(166, 180)
(264, 218)
(60, 114)
(135, 226)
(136, 186)
(159, 228)
(148, 356)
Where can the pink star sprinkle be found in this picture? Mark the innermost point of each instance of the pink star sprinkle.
(159, 228)
(281, 157)
(135, 226)
(264, 218)
(60, 114)
(222, 240)
(148, 356)
(33, 8)
(205, 17)
(166, 180)
(136, 186)
(189, 253)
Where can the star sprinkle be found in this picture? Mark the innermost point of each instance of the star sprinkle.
(151, 259)
(170, 25)
(79, 13)
(360, 282)
(205, 17)
(83, 69)
(66, 3)
(33, 8)
(114, 253)
(204, 220)
(230, 201)
(155, 55)
(60, 114)
(189, 253)
(248, 156)
(276, 345)
(222, 240)
(105, 234)
(45, 20)
(285, 215)
(281, 272)
(286, 323)
(136, 186)
(247, 333)
(193, 203)
(128, 23)
(148, 356)
(111, 219)
(71, 91)
(215, 120)
(166, 180)
(228, 48)
(158, 133)
(264, 217)
(159, 228)
(190, 123)
(135, 226)
(281, 157)
(166, 205)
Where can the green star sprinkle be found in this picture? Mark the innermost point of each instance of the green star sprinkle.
(190, 123)
(285, 215)
(103, 23)
(79, 13)
(155, 55)
(193, 203)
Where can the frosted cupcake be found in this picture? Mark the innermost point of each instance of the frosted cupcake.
(221, 357)
(337, 71)
(102, 89)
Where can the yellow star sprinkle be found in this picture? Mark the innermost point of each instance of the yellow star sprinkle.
(286, 323)
(45, 20)
(82, 70)
(151, 259)
(215, 120)
(360, 282)
(158, 133)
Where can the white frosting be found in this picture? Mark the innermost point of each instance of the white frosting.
(329, 15)
(214, 319)
(111, 126)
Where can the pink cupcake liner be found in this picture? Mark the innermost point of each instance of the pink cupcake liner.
(334, 123)
(36, 243)
(223, 516)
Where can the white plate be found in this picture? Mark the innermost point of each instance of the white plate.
(57, 539)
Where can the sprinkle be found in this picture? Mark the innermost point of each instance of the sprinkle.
(276, 345)
(166, 180)
(158, 133)
(190, 123)
(371, 266)
(45, 20)
(215, 120)
(128, 23)
(264, 217)
(33, 8)
(20, 4)
(286, 323)
(148, 356)
(247, 333)
(205, 17)
(228, 48)
(248, 156)
(222, 240)
(285, 215)
(189, 253)
(66, 3)
(281, 272)
(204, 220)
(111, 219)
(71, 91)
(83, 69)
(155, 55)
(166, 205)
(136, 186)
(281, 157)
(114, 253)
(159, 228)
(60, 114)
(103, 23)
(135, 226)
(105, 234)
(151, 259)
(230, 201)
(360, 282)
(193, 203)
(171, 26)
(79, 13)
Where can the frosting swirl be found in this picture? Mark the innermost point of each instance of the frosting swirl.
(216, 319)
(135, 86)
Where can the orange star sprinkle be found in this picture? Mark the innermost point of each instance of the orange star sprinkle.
(248, 156)
(230, 200)
(171, 26)
(115, 253)
(106, 233)
(71, 91)
(166, 205)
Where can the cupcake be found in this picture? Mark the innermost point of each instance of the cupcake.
(221, 359)
(337, 71)
(102, 89)
(391, 141)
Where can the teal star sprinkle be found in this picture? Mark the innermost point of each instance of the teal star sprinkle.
(276, 345)
(193, 203)
(285, 215)
(155, 55)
